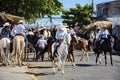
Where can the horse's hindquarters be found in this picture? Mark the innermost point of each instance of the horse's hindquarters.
(18, 48)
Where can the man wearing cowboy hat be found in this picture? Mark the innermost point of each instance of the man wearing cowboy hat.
(60, 34)
(5, 32)
(19, 29)
(103, 34)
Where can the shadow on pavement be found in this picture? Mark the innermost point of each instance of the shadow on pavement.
(85, 65)
(39, 67)
(39, 74)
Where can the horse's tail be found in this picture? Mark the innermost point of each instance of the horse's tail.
(17, 44)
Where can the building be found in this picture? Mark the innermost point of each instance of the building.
(108, 10)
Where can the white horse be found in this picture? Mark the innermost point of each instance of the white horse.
(5, 50)
(62, 51)
(18, 49)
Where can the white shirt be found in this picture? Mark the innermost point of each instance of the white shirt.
(18, 29)
(30, 33)
(42, 43)
(104, 33)
(60, 34)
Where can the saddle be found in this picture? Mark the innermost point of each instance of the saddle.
(59, 43)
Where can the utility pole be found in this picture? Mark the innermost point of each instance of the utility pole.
(92, 10)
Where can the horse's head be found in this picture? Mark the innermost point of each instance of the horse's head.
(74, 38)
(67, 39)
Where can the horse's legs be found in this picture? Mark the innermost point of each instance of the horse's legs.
(3, 56)
(87, 56)
(73, 59)
(63, 63)
(105, 59)
(53, 64)
(20, 58)
(111, 58)
(83, 52)
(59, 63)
(97, 57)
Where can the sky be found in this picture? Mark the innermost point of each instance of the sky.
(69, 4)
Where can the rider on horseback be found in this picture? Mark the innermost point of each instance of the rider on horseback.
(103, 34)
(20, 30)
(5, 33)
(60, 34)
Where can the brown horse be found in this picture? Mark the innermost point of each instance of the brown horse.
(18, 49)
(73, 42)
(83, 45)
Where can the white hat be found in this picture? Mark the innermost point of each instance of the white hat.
(6, 24)
(65, 25)
(20, 21)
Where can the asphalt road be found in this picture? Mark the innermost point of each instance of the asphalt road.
(83, 70)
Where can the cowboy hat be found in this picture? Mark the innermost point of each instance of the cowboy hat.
(20, 21)
(65, 25)
(104, 26)
(61, 27)
(97, 27)
(6, 24)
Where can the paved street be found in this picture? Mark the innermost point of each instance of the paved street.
(14, 73)
(83, 70)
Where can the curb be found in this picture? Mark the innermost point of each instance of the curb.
(32, 76)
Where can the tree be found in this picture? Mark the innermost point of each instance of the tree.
(79, 15)
(31, 9)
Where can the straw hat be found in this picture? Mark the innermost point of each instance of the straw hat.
(61, 27)
(6, 24)
(65, 25)
(104, 26)
(41, 36)
(20, 21)
(97, 27)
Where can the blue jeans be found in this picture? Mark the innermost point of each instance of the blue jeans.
(26, 41)
(55, 46)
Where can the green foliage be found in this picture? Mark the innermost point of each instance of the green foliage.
(79, 15)
(31, 9)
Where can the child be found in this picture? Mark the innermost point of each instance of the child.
(41, 44)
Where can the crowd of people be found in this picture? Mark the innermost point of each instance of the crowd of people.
(57, 32)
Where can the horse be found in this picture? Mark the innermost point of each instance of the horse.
(62, 52)
(73, 42)
(18, 49)
(5, 50)
(48, 47)
(83, 45)
(106, 47)
(32, 40)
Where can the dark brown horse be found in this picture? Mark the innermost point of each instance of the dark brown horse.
(32, 40)
(106, 47)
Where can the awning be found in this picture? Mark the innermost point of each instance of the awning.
(9, 18)
(99, 24)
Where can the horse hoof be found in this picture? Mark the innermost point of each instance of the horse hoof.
(74, 65)
(63, 72)
(59, 69)
(80, 59)
(100, 62)
(54, 72)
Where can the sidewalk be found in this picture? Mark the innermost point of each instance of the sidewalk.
(14, 73)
